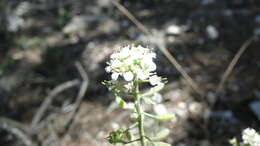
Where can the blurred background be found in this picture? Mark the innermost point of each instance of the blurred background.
(53, 54)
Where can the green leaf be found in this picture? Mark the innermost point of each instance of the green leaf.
(128, 135)
(165, 117)
(160, 144)
(121, 103)
(161, 117)
(116, 137)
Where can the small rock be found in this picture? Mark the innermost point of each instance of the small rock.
(212, 32)
(79, 23)
(174, 95)
(160, 109)
(100, 134)
(212, 98)
(115, 125)
(195, 108)
(255, 107)
(181, 109)
(15, 22)
(174, 29)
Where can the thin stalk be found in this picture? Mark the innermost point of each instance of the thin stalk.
(139, 111)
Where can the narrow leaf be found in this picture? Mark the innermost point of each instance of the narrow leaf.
(121, 103)
(165, 117)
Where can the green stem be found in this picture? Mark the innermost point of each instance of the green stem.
(139, 111)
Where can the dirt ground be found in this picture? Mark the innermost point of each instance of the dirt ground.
(42, 40)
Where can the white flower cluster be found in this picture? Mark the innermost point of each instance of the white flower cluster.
(251, 137)
(134, 62)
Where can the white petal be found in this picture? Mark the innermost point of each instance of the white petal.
(152, 55)
(114, 55)
(152, 66)
(108, 69)
(154, 80)
(116, 63)
(114, 76)
(128, 76)
(148, 62)
(141, 74)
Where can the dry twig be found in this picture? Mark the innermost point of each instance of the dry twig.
(232, 64)
(16, 129)
(80, 95)
(62, 87)
(54, 135)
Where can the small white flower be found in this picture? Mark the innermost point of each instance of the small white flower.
(155, 80)
(114, 76)
(250, 136)
(130, 61)
(128, 76)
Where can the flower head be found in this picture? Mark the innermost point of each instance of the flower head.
(250, 136)
(133, 62)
